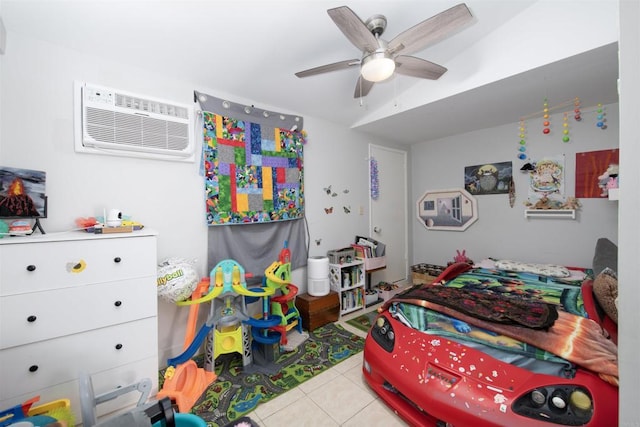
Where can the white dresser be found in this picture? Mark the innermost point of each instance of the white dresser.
(73, 302)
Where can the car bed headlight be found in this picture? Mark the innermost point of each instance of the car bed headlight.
(561, 404)
(383, 334)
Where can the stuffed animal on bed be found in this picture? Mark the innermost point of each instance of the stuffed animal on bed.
(607, 179)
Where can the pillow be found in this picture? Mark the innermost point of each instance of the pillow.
(606, 255)
(605, 288)
(541, 269)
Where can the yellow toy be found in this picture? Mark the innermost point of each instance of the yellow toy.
(278, 276)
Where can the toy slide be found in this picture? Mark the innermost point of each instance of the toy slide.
(260, 329)
(200, 289)
(270, 273)
(192, 341)
(215, 292)
(192, 349)
(186, 384)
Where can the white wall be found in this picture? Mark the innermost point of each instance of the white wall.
(1, 61)
(629, 244)
(37, 133)
(502, 231)
(548, 28)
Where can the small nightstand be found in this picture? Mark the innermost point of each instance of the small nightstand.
(318, 311)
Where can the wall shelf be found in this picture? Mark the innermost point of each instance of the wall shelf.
(550, 213)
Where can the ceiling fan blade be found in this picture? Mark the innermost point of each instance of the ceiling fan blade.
(417, 67)
(431, 30)
(342, 65)
(353, 27)
(363, 87)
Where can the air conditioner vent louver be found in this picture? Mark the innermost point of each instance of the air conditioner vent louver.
(123, 124)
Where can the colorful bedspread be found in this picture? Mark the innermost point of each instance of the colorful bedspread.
(570, 336)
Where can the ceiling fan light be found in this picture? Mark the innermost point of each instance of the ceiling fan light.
(377, 67)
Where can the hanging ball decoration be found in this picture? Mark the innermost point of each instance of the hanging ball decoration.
(545, 110)
(601, 117)
(523, 141)
(565, 130)
(576, 103)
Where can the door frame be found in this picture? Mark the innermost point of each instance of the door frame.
(405, 202)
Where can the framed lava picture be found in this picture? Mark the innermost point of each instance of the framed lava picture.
(490, 178)
(22, 193)
(453, 210)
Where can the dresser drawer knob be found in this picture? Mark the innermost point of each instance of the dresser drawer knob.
(31, 318)
(31, 267)
(33, 368)
(118, 346)
(117, 303)
(117, 259)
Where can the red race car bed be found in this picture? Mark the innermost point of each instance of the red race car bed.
(486, 347)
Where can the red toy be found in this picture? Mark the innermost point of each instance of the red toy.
(437, 374)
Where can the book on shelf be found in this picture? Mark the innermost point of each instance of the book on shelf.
(372, 248)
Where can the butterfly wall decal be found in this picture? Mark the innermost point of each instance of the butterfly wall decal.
(328, 210)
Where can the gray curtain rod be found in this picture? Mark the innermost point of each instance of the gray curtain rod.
(248, 113)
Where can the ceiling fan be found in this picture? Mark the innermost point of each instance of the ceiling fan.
(381, 58)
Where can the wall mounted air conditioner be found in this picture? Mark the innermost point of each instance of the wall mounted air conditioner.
(111, 121)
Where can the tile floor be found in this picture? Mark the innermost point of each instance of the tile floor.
(337, 397)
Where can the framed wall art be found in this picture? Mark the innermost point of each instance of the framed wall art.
(453, 209)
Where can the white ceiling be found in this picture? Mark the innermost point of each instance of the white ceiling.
(252, 48)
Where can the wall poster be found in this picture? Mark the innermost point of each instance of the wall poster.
(589, 167)
(490, 178)
(546, 181)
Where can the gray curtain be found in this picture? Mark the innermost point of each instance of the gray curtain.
(256, 246)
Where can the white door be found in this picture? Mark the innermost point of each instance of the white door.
(388, 212)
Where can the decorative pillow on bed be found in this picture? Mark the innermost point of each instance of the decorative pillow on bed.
(606, 255)
(542, 269)
(605, 288)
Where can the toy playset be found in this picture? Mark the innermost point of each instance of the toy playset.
(229, 328)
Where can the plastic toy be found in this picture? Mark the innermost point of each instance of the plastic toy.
(227, 281)
(604, 180)
(185, 384)
(227, 330)
(278, 276)
(177, 279)
(157, 413)
(17, 412)
(184, 381)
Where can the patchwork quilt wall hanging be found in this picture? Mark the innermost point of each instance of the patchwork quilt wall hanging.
(253, 173)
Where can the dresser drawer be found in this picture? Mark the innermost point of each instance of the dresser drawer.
(36, 316)
(31, 367)
(66, 264)
(103, 382)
